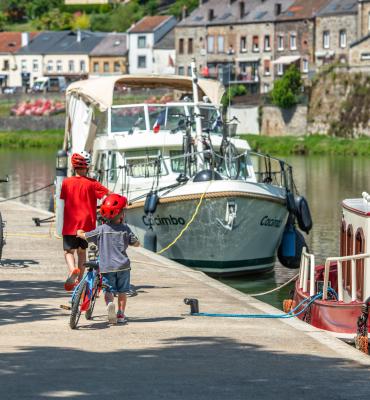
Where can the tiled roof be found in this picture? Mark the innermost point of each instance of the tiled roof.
(115, 44)
(167, 42)
(149, 24)
(226, 12)
(10, 42)
(336, 7)
(303, 9)
(63, 42)
(359, 41)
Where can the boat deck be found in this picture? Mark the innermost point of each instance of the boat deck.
(163, 352)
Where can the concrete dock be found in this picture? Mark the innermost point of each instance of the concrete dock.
(163, 353)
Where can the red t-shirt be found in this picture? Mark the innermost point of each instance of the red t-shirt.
(80, 195)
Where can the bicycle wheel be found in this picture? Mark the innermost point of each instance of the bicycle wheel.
(231, 160)
(1, 236)
(76, 305)
(94, 295)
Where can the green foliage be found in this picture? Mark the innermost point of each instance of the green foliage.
(52, 139)
(2, 21)
(232, 91)
(309, 145)
(81, 21)
(54, 20)
(176, 8)
(287, 89)
(37, 8)
(14, 10)
(87, 8)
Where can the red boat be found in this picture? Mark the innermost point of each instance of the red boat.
(344, 281)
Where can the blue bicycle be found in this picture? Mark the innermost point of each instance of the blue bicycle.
(86, 292)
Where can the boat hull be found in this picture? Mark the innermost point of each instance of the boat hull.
(330, 315)
(209, 244)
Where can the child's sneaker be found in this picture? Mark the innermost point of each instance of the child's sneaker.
(121, 318)
(111, 310)
(70, 282)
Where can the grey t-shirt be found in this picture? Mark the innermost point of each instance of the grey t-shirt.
(112, 241)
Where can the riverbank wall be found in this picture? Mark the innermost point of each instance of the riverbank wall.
(31, 123)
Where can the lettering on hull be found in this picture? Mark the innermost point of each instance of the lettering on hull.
(273, 222)
(170, 220)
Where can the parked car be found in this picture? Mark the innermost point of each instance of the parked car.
(10, 89)
(49, 84)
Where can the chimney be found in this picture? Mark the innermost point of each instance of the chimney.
(184, 12)
(241, 9)
(277, 9)
(78, 36)
(25, 39)
(211, 14)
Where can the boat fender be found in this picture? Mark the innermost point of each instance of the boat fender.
(51, 204)
(151, 202)
(291, 246)
(290, 203)
(150, 240)
(303, 214)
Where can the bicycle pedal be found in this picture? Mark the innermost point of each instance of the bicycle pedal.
(65, 307)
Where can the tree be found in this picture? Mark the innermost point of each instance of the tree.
(36, 8)
(14, 10)
(2, 21)
(81, 21)
(54, 20)
(286, 90)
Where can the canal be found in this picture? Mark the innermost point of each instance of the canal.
(323, 180)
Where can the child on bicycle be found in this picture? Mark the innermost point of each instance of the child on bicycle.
(80, 194)
(113, 238)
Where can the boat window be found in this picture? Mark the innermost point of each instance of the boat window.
(360, 248)
(142, 163)
(343, 239)
(101, 168)
(113, 171)
(210, 118)
(349, 252)
(101, 121)
(177, 162)
(128, 119)
(166, 117)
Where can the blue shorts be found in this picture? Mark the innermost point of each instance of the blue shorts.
(118, 282)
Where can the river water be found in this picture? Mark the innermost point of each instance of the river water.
(324, 180)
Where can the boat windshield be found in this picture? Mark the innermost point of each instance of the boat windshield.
(156, 117)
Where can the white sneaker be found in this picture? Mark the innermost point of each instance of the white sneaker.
(121, 318)
(111, 310)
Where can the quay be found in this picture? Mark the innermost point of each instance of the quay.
(163, 353)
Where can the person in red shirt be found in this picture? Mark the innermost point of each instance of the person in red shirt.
(80, 194)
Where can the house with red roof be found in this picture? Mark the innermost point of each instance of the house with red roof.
(143, 36)
(10, 43)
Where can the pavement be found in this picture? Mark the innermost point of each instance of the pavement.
(163, 352)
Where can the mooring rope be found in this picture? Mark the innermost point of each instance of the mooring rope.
(275, 289)
(28, 193)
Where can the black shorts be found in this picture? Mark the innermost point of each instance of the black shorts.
(71, 242)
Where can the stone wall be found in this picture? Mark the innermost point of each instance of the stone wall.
(13, 124)
(248, 119)
(279, 122)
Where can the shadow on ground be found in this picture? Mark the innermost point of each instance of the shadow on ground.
(34, 294)
(7, 263)
(180, 368)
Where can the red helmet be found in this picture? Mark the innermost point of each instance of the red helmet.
(81, 160)
(113, 205)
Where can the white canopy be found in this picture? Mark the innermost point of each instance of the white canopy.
(286, 60)
(99, 91)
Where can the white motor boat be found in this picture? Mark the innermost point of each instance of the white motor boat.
(197, 194)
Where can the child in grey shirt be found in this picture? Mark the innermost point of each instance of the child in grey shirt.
(112, 239)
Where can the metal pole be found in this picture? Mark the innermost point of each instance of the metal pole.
(198, 121)
(60, 174)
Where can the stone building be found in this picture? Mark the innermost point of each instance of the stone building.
(110, 56)
(336, 29)
(359, 54)
(231, 41)
(295, 36)
(164, 54)
(363, 15)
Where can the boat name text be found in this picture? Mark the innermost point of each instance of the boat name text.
(266, 221)
(170, 220)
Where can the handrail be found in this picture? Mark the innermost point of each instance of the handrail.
(307, 267)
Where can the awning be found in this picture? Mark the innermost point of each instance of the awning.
(99, 91)
(286, 60)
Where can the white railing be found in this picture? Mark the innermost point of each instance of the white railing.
(307, 268)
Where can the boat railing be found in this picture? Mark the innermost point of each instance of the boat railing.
(307, 269)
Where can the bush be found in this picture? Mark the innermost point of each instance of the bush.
(232, 91)
(287, 89)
